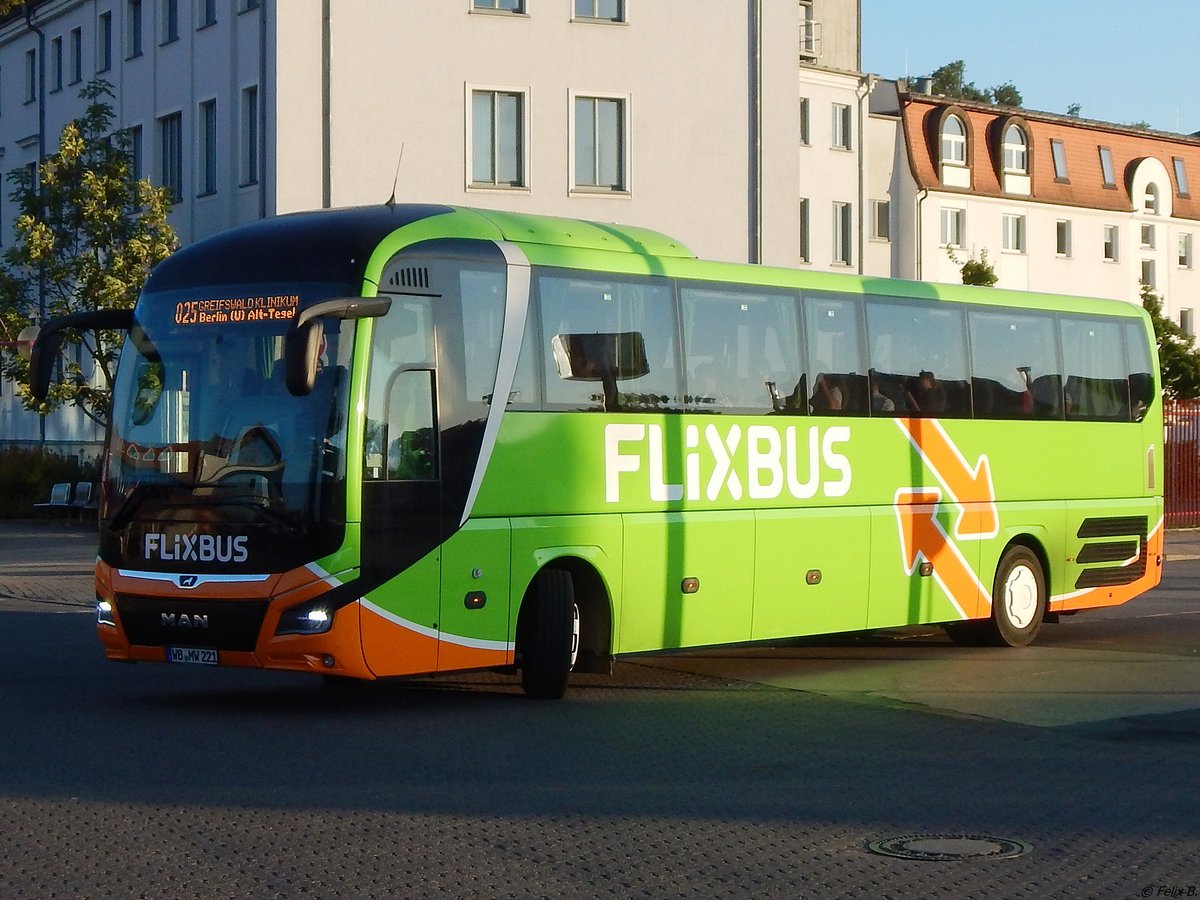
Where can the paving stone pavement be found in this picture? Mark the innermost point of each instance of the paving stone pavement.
(140, 781)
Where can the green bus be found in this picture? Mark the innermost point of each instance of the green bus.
(412, 439)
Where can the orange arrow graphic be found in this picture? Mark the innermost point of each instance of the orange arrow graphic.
(922, 537)
(970, 488)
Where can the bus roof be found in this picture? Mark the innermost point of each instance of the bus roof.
(348, 246)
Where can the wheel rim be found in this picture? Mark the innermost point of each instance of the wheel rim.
(574, 633)
(1021, 596)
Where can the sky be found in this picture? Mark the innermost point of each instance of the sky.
(1123, 62)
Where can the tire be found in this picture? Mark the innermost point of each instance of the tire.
(549, 637)
(1018, 599)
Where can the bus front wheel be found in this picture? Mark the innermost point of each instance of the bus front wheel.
(1018, 598)
(549, 637)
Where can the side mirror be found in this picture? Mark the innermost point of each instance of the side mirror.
(303, 340)
(48, 343)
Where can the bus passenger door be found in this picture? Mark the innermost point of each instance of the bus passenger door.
(401, 525)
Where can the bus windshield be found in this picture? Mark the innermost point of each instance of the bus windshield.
(206, 438)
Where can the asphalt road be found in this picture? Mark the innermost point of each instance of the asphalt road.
(733, 774)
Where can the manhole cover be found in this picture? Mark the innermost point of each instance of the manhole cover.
(945, 847)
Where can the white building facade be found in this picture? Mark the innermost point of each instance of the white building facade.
(736, 128)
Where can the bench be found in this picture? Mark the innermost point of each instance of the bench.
(84, 501)
(59, 502)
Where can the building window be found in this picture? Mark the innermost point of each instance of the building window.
(133, 29)
(170, 155)
(1187, 321)
(601, 144)
(1112, 243)
(1185, 251)
(31, 74)
(1148, 278)
(513, 6)
(170, 21)
(954, 222)
(104, 42)
(1062, 237)
(1014, 233)
(1015, 150)
(954, 141)
(56, 65)
(809, 32)
(207, 121)
(843, 234)
(881, 220)
(842, 133)
(497, 139)
(1181, 180)
(1058, 153)
(805, 231)
(805, 122)
(1148, 237)
(76, 55)
(1150, 200)
(1106, 168)
(248, 5)
(609, 10)
(207, 13)
(249, 136)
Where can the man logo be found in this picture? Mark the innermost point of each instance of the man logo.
(183, 620)
(188, 581)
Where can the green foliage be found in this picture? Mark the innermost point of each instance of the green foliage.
(950, 81)
(27, 475)
(976, 271)
(1177, 354)
(1074, 109)
(86, 242)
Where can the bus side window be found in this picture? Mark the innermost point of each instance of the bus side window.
(1015, 372)
(409, 431)
(742, 348)
(1097, 378)
(919, 356)
(837, 371)
(402, 340)
(1141, 371)
(582, 305)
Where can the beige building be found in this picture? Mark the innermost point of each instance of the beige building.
(1058, 204)
(738, 128)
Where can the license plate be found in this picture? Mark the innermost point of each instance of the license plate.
(194, 655)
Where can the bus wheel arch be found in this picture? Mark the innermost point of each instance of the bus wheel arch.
(1011, 623)
(572, 594)
(1020, 594)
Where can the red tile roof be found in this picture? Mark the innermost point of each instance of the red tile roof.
(1082, 140)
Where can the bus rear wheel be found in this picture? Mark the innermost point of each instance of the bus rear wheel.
(549, 637)
(1018, 599)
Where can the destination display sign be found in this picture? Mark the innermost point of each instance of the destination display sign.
(236, 310)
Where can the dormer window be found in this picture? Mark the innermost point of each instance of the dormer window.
(1012, 155)
(1150, 202)
(954, 141)
(953, 134)
(1016, 151)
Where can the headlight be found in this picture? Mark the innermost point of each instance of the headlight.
(308, 618)
(104, 613)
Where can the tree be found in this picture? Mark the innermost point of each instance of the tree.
(950, 81)
(1006, 94)
(85, 241)
(1178, 357)
(1074, 109)
(975, 271)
